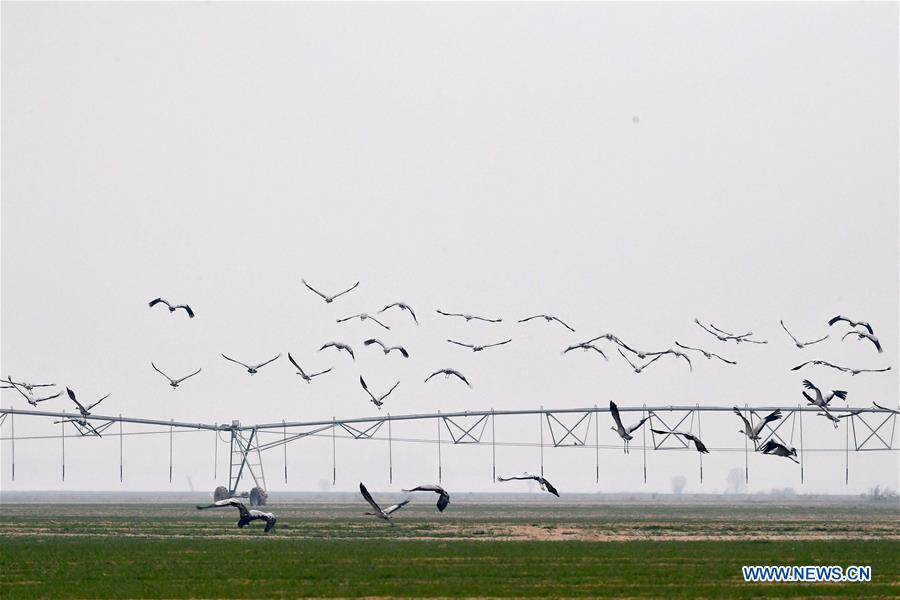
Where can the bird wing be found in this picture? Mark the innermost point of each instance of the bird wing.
(29, 397)
(529, 318)
(549, 487)
(798, 367)
(626, 358)
(637, 425)
(788, 332)
(769, 446)
(461, 376)
(730, 362)
(516, 477)
(157, 301)
(362, 382)
(320, 372)
(432, 375)
(654, 359)
(371, 341)
(614, 411)
(461, 344)
(350, 289)
(311, 288)
(486, 320)
(236, 361)
(388, 306)
(561, 322)
(187, 309)
(389, 391)
(810, 386)
(294, 362)
(161, 373)
(395, 507)
(56, 395)
(772, 416)
(260, 365)
(498, 343)
(886, 408)
(406, 307)
(98, 402)
(188, 376)
(747, 426)
(875, 341)
(77, 403)
(443, 500)
(402, 351)
(379, 322)
(446, 314)
(365, 494)
(270, 522)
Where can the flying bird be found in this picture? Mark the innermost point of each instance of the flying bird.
(253, 369)
(24, 384)
(307, 378)
(329, 299)
(753, 431)
(639, 368)
(380, 399)
(862, 335)
(468, 317)
(401, 306)
(339, 346)
(700, 446)
(708, 355)
(246, 516)
(385, 348)
(891, 410)
(797, 342)
(545, 485)
(363, 317)
(173, 382)
(173, 307)
(549, 319)
(447, 373)
(774, 448)
(585, 346)
(852, 323)
(385, 514)
(29, 396)
(820, 400)
(825, 363)
(725, 336)
(84, 413)
(676, 354)
(624, 432)
(443, 496)
(479, 348)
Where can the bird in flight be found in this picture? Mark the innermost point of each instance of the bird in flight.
(329, 299)
(708, 355)
(380, 399)
(891, 410)
(385, 348)
(725, 336)
(821, 400)
(401, 306)
(639, 368)
(384, 514)
(674, 353)
(545, 485)
(24, 384)
(339, 346)
(549, 319)
(825, 363)
(246, 516)
(479, 348)
(363, 317)
(29, 396)
(173, 382)
(468, 317)
(700, 446)
(797, 342)
(447, 373)
(253, 369)
(84, 412)
(774, 448)
(585, 346)
(173, 307)
(306, 377)
(753, 431)
(624, 432)
(443, 496)
(852, 323)
(864, 335)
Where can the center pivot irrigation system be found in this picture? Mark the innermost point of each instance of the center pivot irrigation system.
(872, 429)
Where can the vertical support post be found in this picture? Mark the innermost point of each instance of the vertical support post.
(746, 456)
(541, 419)
(216, 453)
(493, 446)
(698, 435)
(121, 451)
(171, 435)
(800, 414)
(62, 427)
(644, 442)
(284, 438)
(439, 446)
(333, 452)
(847, 451)
(12, 426)
(597, 443)
(390, 452)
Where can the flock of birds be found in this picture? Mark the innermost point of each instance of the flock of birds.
(637, 359)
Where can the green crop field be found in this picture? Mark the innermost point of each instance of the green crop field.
(172, 551)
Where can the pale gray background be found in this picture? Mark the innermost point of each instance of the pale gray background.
(477, 158)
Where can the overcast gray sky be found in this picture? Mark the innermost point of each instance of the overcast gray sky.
(472, 157)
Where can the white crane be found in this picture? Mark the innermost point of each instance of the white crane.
(447, 373)
(852, 323)
(401, 306)
(253, 369)
(548, 319)
(443, 496)
(246, 515)
(173, 383)
(306, 377)
(776, 449)
(825, 363)
(624, 432)
(700, 446)
(797, 342)
(639, 368)
(384, 514)
(864, 335)
(329, 299)
(173, 307)
(708, 355)
(339, 346)
(385, 348)
(84, 411)
(363, 317)
(468, 317)
(29, 396)
(584, 347)
(821, 400)
(380, 399)
(753, 431)
(23, 384)
(479, 348)
(545, 485)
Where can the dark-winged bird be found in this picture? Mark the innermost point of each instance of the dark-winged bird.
(447, 373)
(173, 307)
(545, 485)
(401, 306)
(253, 369)
(307, 378)
(443, 496)
(329, 299)
(385, 348)
(246, 515)
(380, 399)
